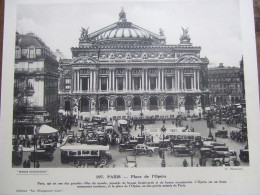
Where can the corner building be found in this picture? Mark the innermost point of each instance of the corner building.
(124, 67)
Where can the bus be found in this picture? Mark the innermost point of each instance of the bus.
(156, 133)
(89, 154)
(183, 138)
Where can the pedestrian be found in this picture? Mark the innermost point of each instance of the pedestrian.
(163, 121)
(24, 164)
(185, 163)
(28, 164)
(37, 164)
(135, 126)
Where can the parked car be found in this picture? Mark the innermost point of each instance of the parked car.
(154, 146)
(221, 159)
(244, 155)
(206, 152)
(219, 151)
(178, 150)
(142, 149)
(222, 133)
(129, 145)
(131, 162)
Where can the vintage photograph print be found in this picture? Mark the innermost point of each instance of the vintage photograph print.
(129, 85)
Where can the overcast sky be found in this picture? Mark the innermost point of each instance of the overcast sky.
(213, 24)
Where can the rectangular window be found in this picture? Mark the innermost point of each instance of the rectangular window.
(72, 153)
(85, 152)
(94, 153)
(84, 83)
(120, 83)
(67, 83)
(137, 83)
(104, 83)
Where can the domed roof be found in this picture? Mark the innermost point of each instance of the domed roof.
(123, 32)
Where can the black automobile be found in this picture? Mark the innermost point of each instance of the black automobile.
(129, 145)
(142, 149)
(206, 152)
(41, 155)
(178, 150)
(244, 155)
(221, 133)
(217, 151)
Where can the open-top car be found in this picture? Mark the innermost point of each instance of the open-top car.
(222, 133)
(131, 162)
(142, 149)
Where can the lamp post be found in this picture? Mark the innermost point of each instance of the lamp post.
(34, 148)
(163, 164)
(210, 124)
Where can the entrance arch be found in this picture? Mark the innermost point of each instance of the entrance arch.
(120, 104)
(154, 103)
(169, 103)
(103, 104)
(189, 103)
(84, 105)
(137, 103)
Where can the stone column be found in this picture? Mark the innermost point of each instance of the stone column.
(107, 83)
(194, 79)
(110, 83)
(163, 80)
(146, 80)
(116, 83)
(182, 80)
(113, 79)
(159, 79)
(198, 76)
(130, 80)
(142, 79)
(74, 80)
(91, 81)
(78, 80)
(94, 80)
(126, 79)
(178, 84)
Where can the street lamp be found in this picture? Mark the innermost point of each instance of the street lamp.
(163, 164)
(210, 124)
(34, 147)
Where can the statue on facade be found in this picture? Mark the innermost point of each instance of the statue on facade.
(185, 38)
(161, 32)
(122, 15)
(185, 32)
(84, 33)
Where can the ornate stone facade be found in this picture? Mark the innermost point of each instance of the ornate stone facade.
(124, 67)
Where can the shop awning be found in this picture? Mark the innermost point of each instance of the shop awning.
(45, 129)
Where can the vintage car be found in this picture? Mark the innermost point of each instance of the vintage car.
(142, 149)
(205, 152)
(218, 151)
(220, 160)
(222, 133)
(244, 155)
(178, 150)
(41, 155)
(131, 162)
(154, 146)
(98, 119)
(129, 145)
